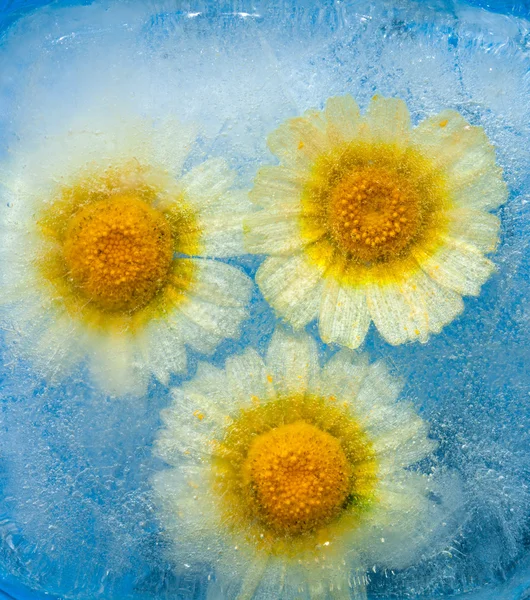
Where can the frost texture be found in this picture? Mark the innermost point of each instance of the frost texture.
(76, 516)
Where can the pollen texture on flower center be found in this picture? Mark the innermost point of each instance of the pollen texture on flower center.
(118, 252)
(300, 477)
(376, 203)
(373, 213)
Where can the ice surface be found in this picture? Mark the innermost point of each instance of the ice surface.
(76, 515)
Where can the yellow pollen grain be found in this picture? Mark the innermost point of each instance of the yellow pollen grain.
(300, 477)
(118, 252)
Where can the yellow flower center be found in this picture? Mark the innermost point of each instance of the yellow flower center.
(374, 213)
(300, 477)
(118, 252)
(293, 472)
(374, 203)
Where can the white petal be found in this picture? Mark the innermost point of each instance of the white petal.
(211, 392)
(247, 378)
(388, 120)
(343, 375)
(292, 360)
(439, 305)
(484, 192)
(300, 141)
(200, 411)
(192, 333)
(278, 188)
(401, 517)
(478, 228)
(377, 387)
(187, 512)
(457, 266)
(274, 582)
(188, 431)
(206, 183)
(412, 523)
(344, 118)
(34, 328)
(467, 157)
(379, 419)
(58, 347)
(252, 578)
(399, 436)
(448, 138)
(114, 367)
(292, 286)
(217, 321)
(221, 225)
(231, 202)
(214, 306)
(413, 308)
(396, 319)
(219, 283)
(404, 446)
(344, 317)
(163, 352)
(277, 233)
(337, 583)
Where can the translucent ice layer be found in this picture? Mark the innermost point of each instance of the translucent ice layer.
(77, 515)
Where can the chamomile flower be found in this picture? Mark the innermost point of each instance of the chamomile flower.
(368, 219)
(291, 479)
(106, 252)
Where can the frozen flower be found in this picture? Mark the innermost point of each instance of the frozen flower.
(104, 253)
(367, 219)
(291, 479)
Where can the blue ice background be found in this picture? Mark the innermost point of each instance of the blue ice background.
(76, 513)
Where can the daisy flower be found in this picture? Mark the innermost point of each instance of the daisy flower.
(291, 479)
(367, 219)
(105, 253)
